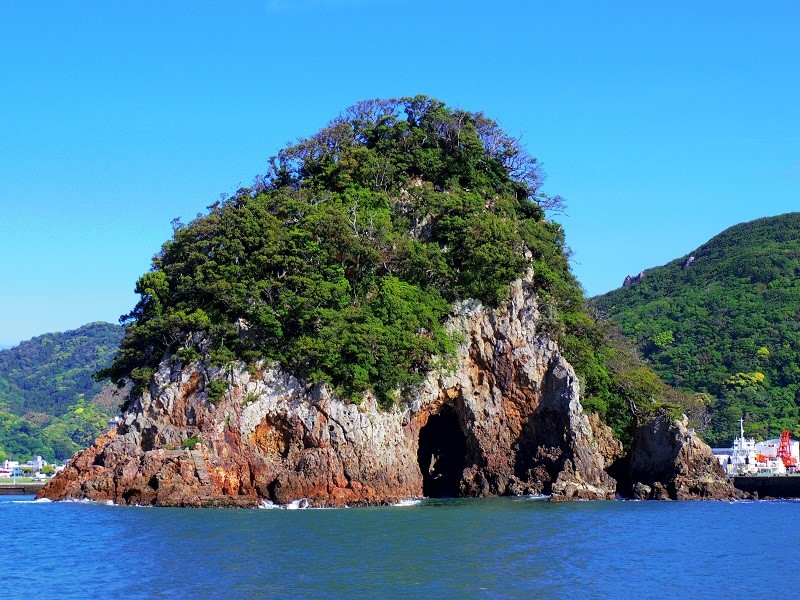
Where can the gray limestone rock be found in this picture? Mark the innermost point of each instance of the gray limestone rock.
(506, 419)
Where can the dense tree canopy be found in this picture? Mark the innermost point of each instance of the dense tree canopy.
(48, 399)
(342, 262)
(725, 325)
(49, 372)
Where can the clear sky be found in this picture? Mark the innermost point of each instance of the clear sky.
(661, 123)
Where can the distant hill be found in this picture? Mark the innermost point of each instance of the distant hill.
(725, 320)
(49, 403)
(48, 372)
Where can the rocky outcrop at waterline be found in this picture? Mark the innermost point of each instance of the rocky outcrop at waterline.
(505, 420)
(669, 462)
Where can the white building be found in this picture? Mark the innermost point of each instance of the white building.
(37, 463)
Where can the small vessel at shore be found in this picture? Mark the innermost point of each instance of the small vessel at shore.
(770, 457)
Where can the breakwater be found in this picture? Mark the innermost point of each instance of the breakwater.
(19, 489)
(785, 486)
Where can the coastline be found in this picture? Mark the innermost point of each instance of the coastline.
(19, 489)
(769, 486)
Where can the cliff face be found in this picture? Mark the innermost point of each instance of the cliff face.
(505, 420)
(669, 461)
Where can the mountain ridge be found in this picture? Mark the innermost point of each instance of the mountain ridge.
(723, 321)
(49, 402)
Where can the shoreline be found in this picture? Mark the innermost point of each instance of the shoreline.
(20, 489)
(773, 486)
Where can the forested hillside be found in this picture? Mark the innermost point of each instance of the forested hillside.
(725, 323)
(343, 261)
(48, 397)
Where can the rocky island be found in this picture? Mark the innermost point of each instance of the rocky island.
(388, 314)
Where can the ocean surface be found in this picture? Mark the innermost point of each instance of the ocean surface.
(476, 548)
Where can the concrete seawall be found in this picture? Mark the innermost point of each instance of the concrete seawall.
(19, 489)
(787, 486)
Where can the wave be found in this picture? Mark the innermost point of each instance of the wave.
(534, 497)
(408, 502)
(88, 501)
(302, 503)
(37, 501)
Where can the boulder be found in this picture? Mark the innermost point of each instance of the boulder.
(669, 461)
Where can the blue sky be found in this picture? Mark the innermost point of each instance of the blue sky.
(660, 123)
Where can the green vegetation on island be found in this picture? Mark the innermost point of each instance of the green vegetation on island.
(49, 402)
(342, 263)
(725, 326)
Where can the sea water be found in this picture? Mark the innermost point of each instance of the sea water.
(462, 548)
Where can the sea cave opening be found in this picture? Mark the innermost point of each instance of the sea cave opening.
(442, 455)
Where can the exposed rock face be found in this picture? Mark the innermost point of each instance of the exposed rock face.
(631, 279)
(506, 420)
(669, 461)
(610, 448)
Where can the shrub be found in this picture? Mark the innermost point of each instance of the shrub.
(215, 389)
(190, 443)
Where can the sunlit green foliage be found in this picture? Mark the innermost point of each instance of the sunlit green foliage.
(664, 339)
(45, 390)
(342, 262)
(733, 313)
(742, 380)
(57, 438)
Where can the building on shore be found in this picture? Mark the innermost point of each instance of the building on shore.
(777, 456)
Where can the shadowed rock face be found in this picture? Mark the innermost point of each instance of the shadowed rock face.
(442, 455)
(506, 420)
(668, 461)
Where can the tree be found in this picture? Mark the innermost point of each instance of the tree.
(342, 262)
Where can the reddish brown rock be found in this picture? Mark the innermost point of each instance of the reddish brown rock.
(506, 420)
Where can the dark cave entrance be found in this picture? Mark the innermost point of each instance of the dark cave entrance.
(442, 455)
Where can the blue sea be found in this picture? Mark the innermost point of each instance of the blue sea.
(463, 548)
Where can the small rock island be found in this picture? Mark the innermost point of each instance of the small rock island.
(387, 314)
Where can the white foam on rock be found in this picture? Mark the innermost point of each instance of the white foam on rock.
(38, 501)
(408, 502)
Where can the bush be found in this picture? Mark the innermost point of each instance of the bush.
(215, 390)
(190, 443)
